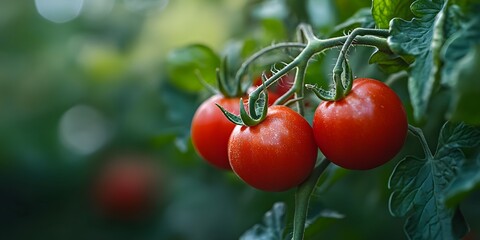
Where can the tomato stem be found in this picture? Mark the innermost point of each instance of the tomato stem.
(419, 134)
(243, 68)
(338, 69)
(312, 47)
(302, 199)
(297, 89)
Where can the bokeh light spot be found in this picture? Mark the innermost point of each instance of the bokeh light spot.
(83, 129)
(59, 11)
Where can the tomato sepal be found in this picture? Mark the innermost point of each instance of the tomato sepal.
(258, 110)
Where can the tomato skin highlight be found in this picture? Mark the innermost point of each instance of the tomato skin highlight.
(365, 129)
(211, 130)
(275, 155)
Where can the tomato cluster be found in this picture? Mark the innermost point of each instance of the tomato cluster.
(363, 130)
(211, 130)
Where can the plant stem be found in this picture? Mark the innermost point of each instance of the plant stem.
(338, 68)
(298, 87)
(315, 46)
(419, 134)
(243, 68)
(302, 199)
(356, 32)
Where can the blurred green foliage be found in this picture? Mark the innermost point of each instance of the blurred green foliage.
(110, 61)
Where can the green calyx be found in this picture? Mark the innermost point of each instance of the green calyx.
(258, 109)
(343, 82)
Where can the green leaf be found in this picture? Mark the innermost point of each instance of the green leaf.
(467, 181)
(183, 63)
(461, 57)
(456, 136)
(460, 44)
(272, 227)
(422, 38)
(389, 63)
(419, 184)
(385, 10)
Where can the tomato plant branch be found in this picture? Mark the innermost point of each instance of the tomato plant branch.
(302, 199)
(243, 68)
(312, 47)
(337, 69)
(297, 89)
(419, 134)
(315, 46)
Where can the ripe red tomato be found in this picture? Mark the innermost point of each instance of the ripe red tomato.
(126, 189)
(275, 155)
(211, 130)
(363, 130)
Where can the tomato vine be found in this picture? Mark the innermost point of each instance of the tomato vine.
(396, 49)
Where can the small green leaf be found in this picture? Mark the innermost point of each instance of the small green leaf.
(422, 38)
(390, 63)
(230, 116)
(183, 65)
(385, 10)
(419, 184)
(272, 227)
